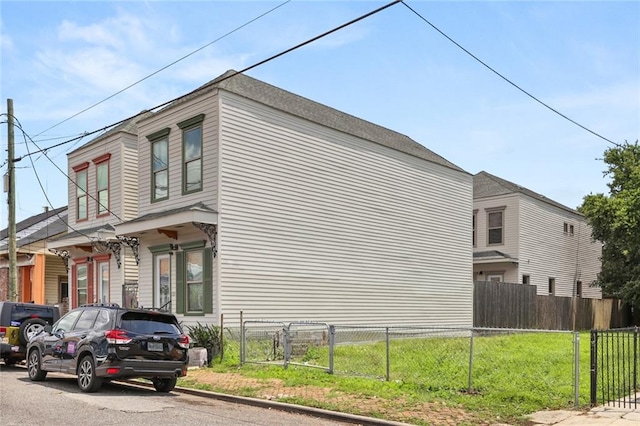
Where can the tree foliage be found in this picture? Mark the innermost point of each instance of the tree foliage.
(615, 221)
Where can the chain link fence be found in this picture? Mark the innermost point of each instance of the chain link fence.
(438, 359)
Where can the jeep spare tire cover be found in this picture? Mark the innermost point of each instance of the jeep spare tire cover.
(30, 328)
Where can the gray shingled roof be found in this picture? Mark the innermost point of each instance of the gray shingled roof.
(30, 221)
(129, 125)
(487, 185)
(299, 106)
(84, 232)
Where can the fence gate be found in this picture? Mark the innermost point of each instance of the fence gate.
(307, 344)
(614, 367)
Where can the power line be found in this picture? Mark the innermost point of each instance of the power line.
(506, 79)
(353, 21)
(27, 138)
(165, 67)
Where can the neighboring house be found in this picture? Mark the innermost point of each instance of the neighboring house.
(41, 275)
(255, 200)
(103, 191)
(520, 236)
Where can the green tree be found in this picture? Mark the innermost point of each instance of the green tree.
(615, 221)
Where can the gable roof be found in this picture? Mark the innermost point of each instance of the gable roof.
(259, 91)
(130, 125)
(487, 185)
(38, 227)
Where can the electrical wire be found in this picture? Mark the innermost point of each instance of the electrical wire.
(28, 138)
(224, 78)
(166, 66)
(506, 79)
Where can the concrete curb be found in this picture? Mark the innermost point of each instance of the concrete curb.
(291, 408)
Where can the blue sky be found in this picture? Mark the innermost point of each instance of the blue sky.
(580, 57)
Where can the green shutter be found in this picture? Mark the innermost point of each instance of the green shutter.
(180, 282)
(207, 266)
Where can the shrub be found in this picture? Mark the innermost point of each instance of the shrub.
(206, 336)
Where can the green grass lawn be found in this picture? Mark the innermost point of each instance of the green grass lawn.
(512, 375)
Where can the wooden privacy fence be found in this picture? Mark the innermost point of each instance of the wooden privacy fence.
(508, 305)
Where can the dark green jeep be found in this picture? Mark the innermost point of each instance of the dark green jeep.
(18, 323)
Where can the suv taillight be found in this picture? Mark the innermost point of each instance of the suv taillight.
(183, 341)
(3, 331)
(117, 337)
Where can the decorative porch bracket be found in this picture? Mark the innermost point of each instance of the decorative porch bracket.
(212, 232)
(64, 254)
(132, 242)
(112, 246)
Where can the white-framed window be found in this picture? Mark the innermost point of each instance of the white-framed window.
(81, 184)
(495, 226)
(82, 285)
(103, 282)
(163, 282)
(159, 164)
(102, 184)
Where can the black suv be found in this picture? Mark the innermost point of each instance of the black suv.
(104, 342)
(18, 323)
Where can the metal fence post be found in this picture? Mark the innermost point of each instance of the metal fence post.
(635, 362)
(287, 346)
(576, 384)
(594, 368)
(332, 342)
(388, 355)
(470, 384)
(242, 341)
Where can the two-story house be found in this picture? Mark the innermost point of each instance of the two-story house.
(520, 236)
(253, 199)
(41, 276)
(102, 190)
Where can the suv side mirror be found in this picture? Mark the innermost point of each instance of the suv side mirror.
(47, 328)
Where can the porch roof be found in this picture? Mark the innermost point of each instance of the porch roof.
(168, 220)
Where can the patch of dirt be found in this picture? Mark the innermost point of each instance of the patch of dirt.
(402, 410)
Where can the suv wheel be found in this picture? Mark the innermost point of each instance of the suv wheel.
(30, 328)
(34, 367)
(164, 385)
(87, 379)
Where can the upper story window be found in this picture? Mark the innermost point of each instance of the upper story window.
(192, 154)
(102, 184)
(81, 191)
(568, 229)
(495, 226)
(159, 164)
(474, 238)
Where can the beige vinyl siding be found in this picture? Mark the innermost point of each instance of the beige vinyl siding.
(547, 252)
(146, 286)
(129, 177)
(112, 145)
(53, 270)
(205, 104)
(510, 222)
(319, 225)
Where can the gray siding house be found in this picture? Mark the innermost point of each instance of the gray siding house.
(520, 236)
(252, 199)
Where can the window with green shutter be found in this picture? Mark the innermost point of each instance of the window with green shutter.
(194, 279)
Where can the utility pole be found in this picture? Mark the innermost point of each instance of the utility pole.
(11, 200)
